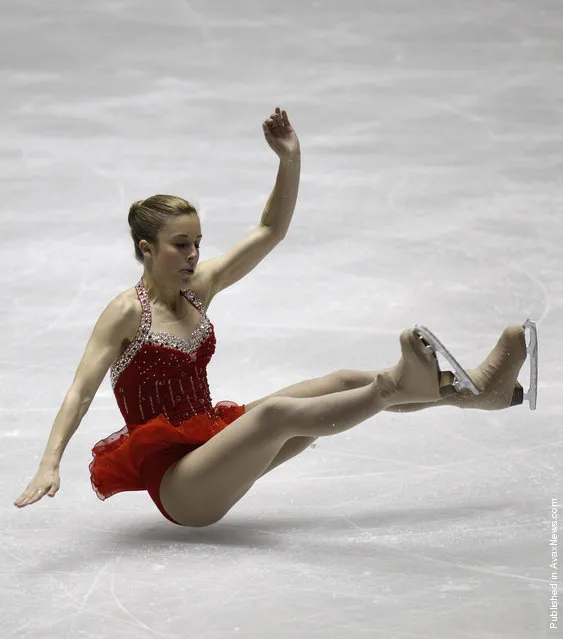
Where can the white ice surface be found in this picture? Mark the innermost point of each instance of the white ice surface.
(431, 136)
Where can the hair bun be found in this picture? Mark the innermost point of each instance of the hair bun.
(133, 209)
(136, 206)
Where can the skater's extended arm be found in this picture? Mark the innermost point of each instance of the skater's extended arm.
(65, 425)
(283, 140)
(102, 350)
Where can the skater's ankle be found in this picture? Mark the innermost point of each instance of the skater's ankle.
(386, 388)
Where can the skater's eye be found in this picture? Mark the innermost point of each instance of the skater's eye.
(180, 245)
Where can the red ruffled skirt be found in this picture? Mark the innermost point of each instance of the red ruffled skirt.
(137, 456)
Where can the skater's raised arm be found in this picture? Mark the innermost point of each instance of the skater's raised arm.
(102, 350)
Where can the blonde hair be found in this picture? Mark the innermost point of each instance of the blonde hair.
(147, 217)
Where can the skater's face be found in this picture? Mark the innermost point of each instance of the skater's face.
(178, 248)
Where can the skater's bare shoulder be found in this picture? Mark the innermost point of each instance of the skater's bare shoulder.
(128, 302)
(111, 332)
(127, 311)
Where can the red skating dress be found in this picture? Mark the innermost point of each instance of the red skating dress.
(160, 384)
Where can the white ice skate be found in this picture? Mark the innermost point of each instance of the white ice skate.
(461, 378)
(532, 348)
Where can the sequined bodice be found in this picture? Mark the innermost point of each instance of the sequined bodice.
(164, 373)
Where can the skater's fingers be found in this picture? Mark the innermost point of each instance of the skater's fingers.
(28, 498)
(45, 481)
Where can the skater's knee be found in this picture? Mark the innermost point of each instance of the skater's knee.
(278, 409)
(283, 415)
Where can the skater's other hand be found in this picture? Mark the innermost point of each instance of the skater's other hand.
(46, 481)
(280, 135)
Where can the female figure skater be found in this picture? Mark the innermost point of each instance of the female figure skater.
(197, 460)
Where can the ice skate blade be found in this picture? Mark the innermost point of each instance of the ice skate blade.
(532, 394)
(462, 379)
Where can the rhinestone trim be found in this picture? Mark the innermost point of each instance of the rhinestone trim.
(161, 338)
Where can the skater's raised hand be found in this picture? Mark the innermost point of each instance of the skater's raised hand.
(46, 481)
(280, 134)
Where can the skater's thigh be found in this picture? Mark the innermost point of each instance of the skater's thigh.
(204, 484)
